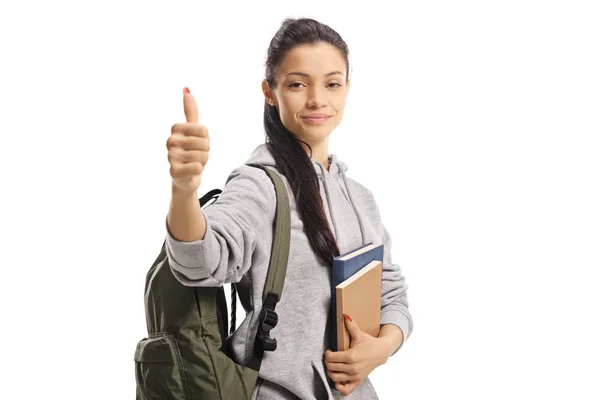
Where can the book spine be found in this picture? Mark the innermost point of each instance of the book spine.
(342, 334)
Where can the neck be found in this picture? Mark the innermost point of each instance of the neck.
(320, 152)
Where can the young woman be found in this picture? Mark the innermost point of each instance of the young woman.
(305, 93)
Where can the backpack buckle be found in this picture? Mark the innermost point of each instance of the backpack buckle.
(267, 320)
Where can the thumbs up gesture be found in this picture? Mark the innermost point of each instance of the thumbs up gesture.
(188, 147)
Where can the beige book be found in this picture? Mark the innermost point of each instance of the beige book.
(359, 297)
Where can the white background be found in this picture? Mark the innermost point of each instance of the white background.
(475, 123)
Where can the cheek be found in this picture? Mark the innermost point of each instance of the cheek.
(291, 114)
(286, 107)
(288, 115)
(340, 103)
(339, 108)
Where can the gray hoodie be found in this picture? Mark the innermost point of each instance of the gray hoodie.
(237, 248)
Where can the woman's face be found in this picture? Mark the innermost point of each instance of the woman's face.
(310, 79)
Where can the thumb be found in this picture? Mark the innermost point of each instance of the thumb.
(190, 108)
(352, 326)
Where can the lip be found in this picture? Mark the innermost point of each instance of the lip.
(316, 115)
(316, 118)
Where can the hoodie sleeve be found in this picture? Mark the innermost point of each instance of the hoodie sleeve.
(394, 301)
(238, 232)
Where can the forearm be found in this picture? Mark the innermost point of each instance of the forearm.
(185, 220)
(393, 335)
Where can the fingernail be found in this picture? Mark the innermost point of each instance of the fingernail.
(348, 317)
(186, 90)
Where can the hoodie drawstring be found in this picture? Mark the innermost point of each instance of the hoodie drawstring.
(362, 230)
(328, 196)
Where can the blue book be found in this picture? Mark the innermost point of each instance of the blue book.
(344, 266)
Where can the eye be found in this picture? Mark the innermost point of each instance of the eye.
(294, 85)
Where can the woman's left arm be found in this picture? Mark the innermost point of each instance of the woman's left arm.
(394, 302)
(392, 335)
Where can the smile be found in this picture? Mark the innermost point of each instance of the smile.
(315, 120)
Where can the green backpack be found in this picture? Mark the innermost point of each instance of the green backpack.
(184, 355)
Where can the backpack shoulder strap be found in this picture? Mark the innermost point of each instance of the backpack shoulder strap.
(277, 271)
(281, 239)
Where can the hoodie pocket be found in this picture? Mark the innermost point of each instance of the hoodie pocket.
(256, 391)
(322, 391)
(158, 368)
(364, 391)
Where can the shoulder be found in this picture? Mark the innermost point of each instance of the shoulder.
(252, 186)
(365, 199)
(248, 174)
(359, 190)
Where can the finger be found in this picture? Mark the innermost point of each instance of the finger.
(180, 171)
(345, 388)
(339, 376)
(190, 129)
(339, 367)
(338, 356)
(190, 108)
(187, 156)
(352, 326)
(178, 140)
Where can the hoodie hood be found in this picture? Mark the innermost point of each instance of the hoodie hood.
(262, 155)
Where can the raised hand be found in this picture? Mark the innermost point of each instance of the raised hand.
(188, 147)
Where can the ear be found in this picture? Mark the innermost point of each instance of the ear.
(269, 97)
(348, 85)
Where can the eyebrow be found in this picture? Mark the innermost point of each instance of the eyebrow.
(308, 76)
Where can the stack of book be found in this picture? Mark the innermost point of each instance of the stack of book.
(356, 291)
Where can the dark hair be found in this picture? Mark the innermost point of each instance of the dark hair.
(290, 158)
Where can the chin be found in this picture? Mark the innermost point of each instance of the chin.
(312, 137)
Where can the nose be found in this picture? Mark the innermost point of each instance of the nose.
(316, 98)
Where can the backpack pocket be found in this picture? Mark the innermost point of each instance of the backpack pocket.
(159, 371)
